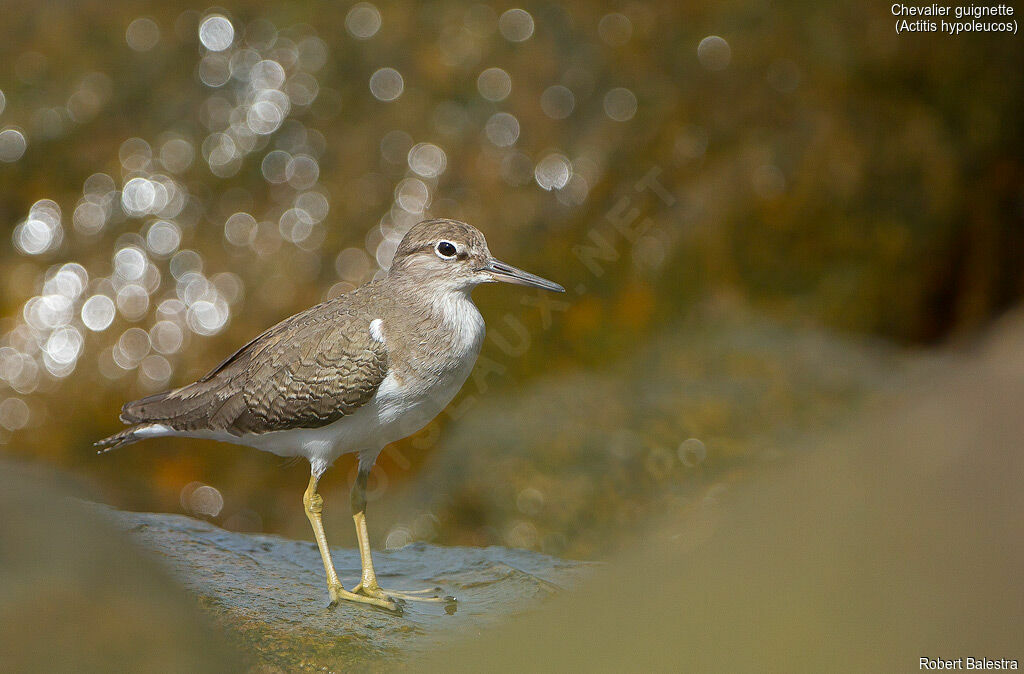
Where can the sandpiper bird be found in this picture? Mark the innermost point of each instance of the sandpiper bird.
(349, 375)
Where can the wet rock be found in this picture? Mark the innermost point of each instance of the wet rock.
(271, 591)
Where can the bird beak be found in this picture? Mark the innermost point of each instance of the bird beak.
(509, 274)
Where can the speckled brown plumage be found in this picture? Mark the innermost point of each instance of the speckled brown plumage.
(307, 371)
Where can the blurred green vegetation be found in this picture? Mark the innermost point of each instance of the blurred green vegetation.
(819, 169)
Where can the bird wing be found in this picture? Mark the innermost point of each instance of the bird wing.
(305, 372)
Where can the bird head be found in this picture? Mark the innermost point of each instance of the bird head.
(456, 255)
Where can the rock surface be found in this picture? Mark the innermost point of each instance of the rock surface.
(271, 591)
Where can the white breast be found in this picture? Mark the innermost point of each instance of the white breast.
(407, 404)
(463, 319)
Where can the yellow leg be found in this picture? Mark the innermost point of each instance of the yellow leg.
(369, 577)
(368, 585)
(314, 504)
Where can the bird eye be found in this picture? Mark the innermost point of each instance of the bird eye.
(446, 249)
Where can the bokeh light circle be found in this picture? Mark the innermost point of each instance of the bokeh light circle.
(615, 29)
(557, 102)
(714, 53)
(620, 104)
(363, 21)
(98, 313)
(427, 160)
(12, 144)
(516, 25)
(142, 34)
(216, 33)
(553, 172)
(502, 129)
(494, 84)
(386, 84)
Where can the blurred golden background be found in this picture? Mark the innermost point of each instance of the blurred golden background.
(762, 212)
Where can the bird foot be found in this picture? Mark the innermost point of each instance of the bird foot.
(430, 594)
(339, 593)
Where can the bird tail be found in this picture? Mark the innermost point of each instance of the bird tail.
(117, 440)
(158, 415)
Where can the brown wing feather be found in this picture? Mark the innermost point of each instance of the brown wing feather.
(307, 371)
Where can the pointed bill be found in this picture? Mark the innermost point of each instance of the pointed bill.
(509, 274)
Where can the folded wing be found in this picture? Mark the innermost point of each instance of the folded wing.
(305, 372)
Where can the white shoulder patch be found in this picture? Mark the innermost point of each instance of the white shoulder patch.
(377, 330)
